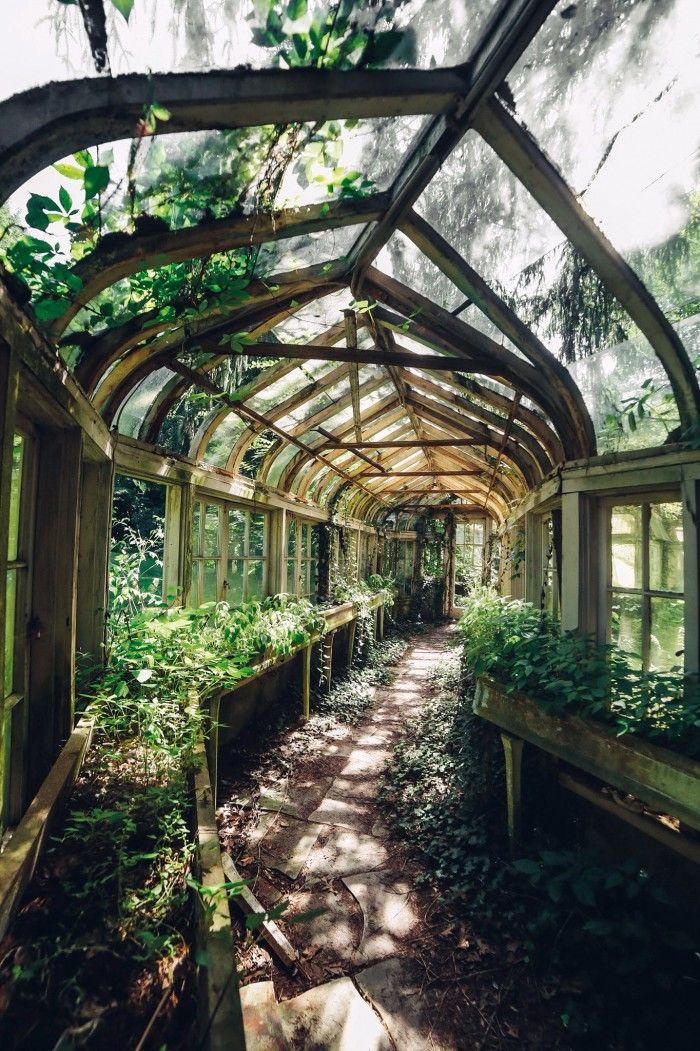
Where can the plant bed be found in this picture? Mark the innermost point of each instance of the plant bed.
(665, 780)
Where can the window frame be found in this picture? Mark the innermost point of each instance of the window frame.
(643, 499)
(223, 556)
(304, 559)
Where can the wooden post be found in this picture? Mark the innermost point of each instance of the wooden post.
(513, 752)
(173, 547)
(9, 382)
(93, 557)
(306, 681)
(327, 665)
(380, 623)
(352, 630)
(212, 742)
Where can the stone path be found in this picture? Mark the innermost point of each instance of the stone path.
(326, 836)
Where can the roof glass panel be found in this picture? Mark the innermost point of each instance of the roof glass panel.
(401, 259)
(612, 94)
(223, 440)
(308, 249)
(196, 35)
(133, 410)
(501, 231)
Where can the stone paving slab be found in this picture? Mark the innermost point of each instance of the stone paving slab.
(356, 787)
(389, 915)
(333, 930)
(393, 987)
(366, 761)
(261, 1021)
(346, 852)
(333, 1017)
(288, 845)
(350, 813)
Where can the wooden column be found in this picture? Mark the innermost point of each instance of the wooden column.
(513, 752)
(93, 557)
(173, 547)
(380, 623)
(54, 596)
(352, 631)
(9, 382)
(185, 569)
(448, 598)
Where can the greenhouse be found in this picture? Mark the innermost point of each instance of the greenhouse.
(349, 482)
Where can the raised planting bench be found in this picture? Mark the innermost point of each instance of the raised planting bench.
(19, 859)
(666, 781)
(221, 1024)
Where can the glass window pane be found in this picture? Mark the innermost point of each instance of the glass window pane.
(626, 625)
(10, 620)
(666, 641)
(211, 530)
(255, 575)
(291, 536)
(234, 577)
(291, 576)
(256, 540)
(195, 599)
(666, 547)
(197, 529)
(313, 576)
(236, 533)
(210, 588)
(626, 547)
(314, 540)
(15, 495)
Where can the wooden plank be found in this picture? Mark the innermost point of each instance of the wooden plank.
(40, 126)
(220, 1016)
(432, 443)
(370, 355)
(250, 906)
(353, 372)
(666, 781)
(306, 682)
(93, 557)
(516, 147)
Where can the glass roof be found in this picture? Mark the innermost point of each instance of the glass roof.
(163, 36)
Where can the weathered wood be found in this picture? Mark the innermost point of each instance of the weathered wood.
(9, 384)
(369, 355)
(250, 906)
(516, 147)
(675, 841)
(19, 859)
(40, 126)
(220, 1015)
(513, 756)
(93, 557)
(327, 660)
(352, 631)
(432, 443)
(353, 372)
(306, 682)
(666, 781)
(416, 474)
(54, 597)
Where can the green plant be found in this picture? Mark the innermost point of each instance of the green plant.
(523, 648)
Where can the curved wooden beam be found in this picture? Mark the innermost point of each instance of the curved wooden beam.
(118, 256)
(43, 125)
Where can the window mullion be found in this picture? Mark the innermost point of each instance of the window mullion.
(646, 600)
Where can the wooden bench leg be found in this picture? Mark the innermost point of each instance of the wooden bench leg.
(513, 752)
(328, 660)
(306, 682)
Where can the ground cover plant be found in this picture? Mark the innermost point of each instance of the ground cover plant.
(112, 906)
(523, 648)
(607, 949)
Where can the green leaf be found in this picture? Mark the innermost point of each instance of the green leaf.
(296, 9)
(50, 309)
(124, 7)
(144, 675)
(65, 199)
(96, 179)
(159, 112)
(69, 171)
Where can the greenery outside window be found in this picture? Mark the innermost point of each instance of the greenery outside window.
(550, 580)
(645, 581)
(302, 558)
(405, 553)
(229, 548)
(470, 537)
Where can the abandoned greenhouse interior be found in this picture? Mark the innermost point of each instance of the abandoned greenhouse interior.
(349, 475)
